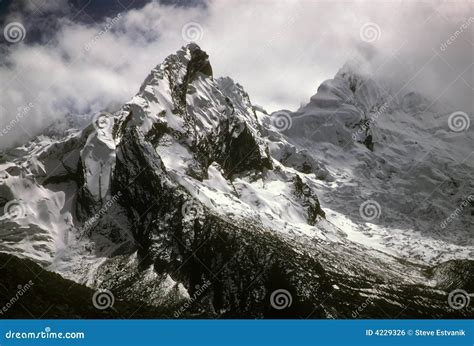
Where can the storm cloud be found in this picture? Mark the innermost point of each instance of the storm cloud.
(280, 51)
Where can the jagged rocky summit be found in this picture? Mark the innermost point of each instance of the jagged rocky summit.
(192, 201)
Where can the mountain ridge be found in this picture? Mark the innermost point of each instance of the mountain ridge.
(187, 184)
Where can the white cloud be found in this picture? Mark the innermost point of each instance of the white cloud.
(279, 50)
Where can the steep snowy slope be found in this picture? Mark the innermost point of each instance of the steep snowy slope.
(187, 187)
(399, 167)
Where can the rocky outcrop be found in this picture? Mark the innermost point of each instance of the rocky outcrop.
(207, 201)
(308, 199)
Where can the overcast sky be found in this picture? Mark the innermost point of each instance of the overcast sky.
(280, 51)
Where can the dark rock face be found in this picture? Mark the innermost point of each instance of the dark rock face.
(308, 200)
(369, 142)
(454, 274)
(147, 190)
(234, 266)
(199, 63)
(243, 154)
(48, 295)
(242, 263)
(245, 266)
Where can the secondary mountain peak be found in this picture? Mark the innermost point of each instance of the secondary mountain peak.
(186, 185)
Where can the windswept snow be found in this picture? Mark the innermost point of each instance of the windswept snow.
(417, 172)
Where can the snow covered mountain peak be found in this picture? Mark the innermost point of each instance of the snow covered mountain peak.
(397, 149)
(188, 183)
(213, 118)
(193, 132)
(162, 96)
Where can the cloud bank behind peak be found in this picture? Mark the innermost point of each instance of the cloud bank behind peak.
(280, 51)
